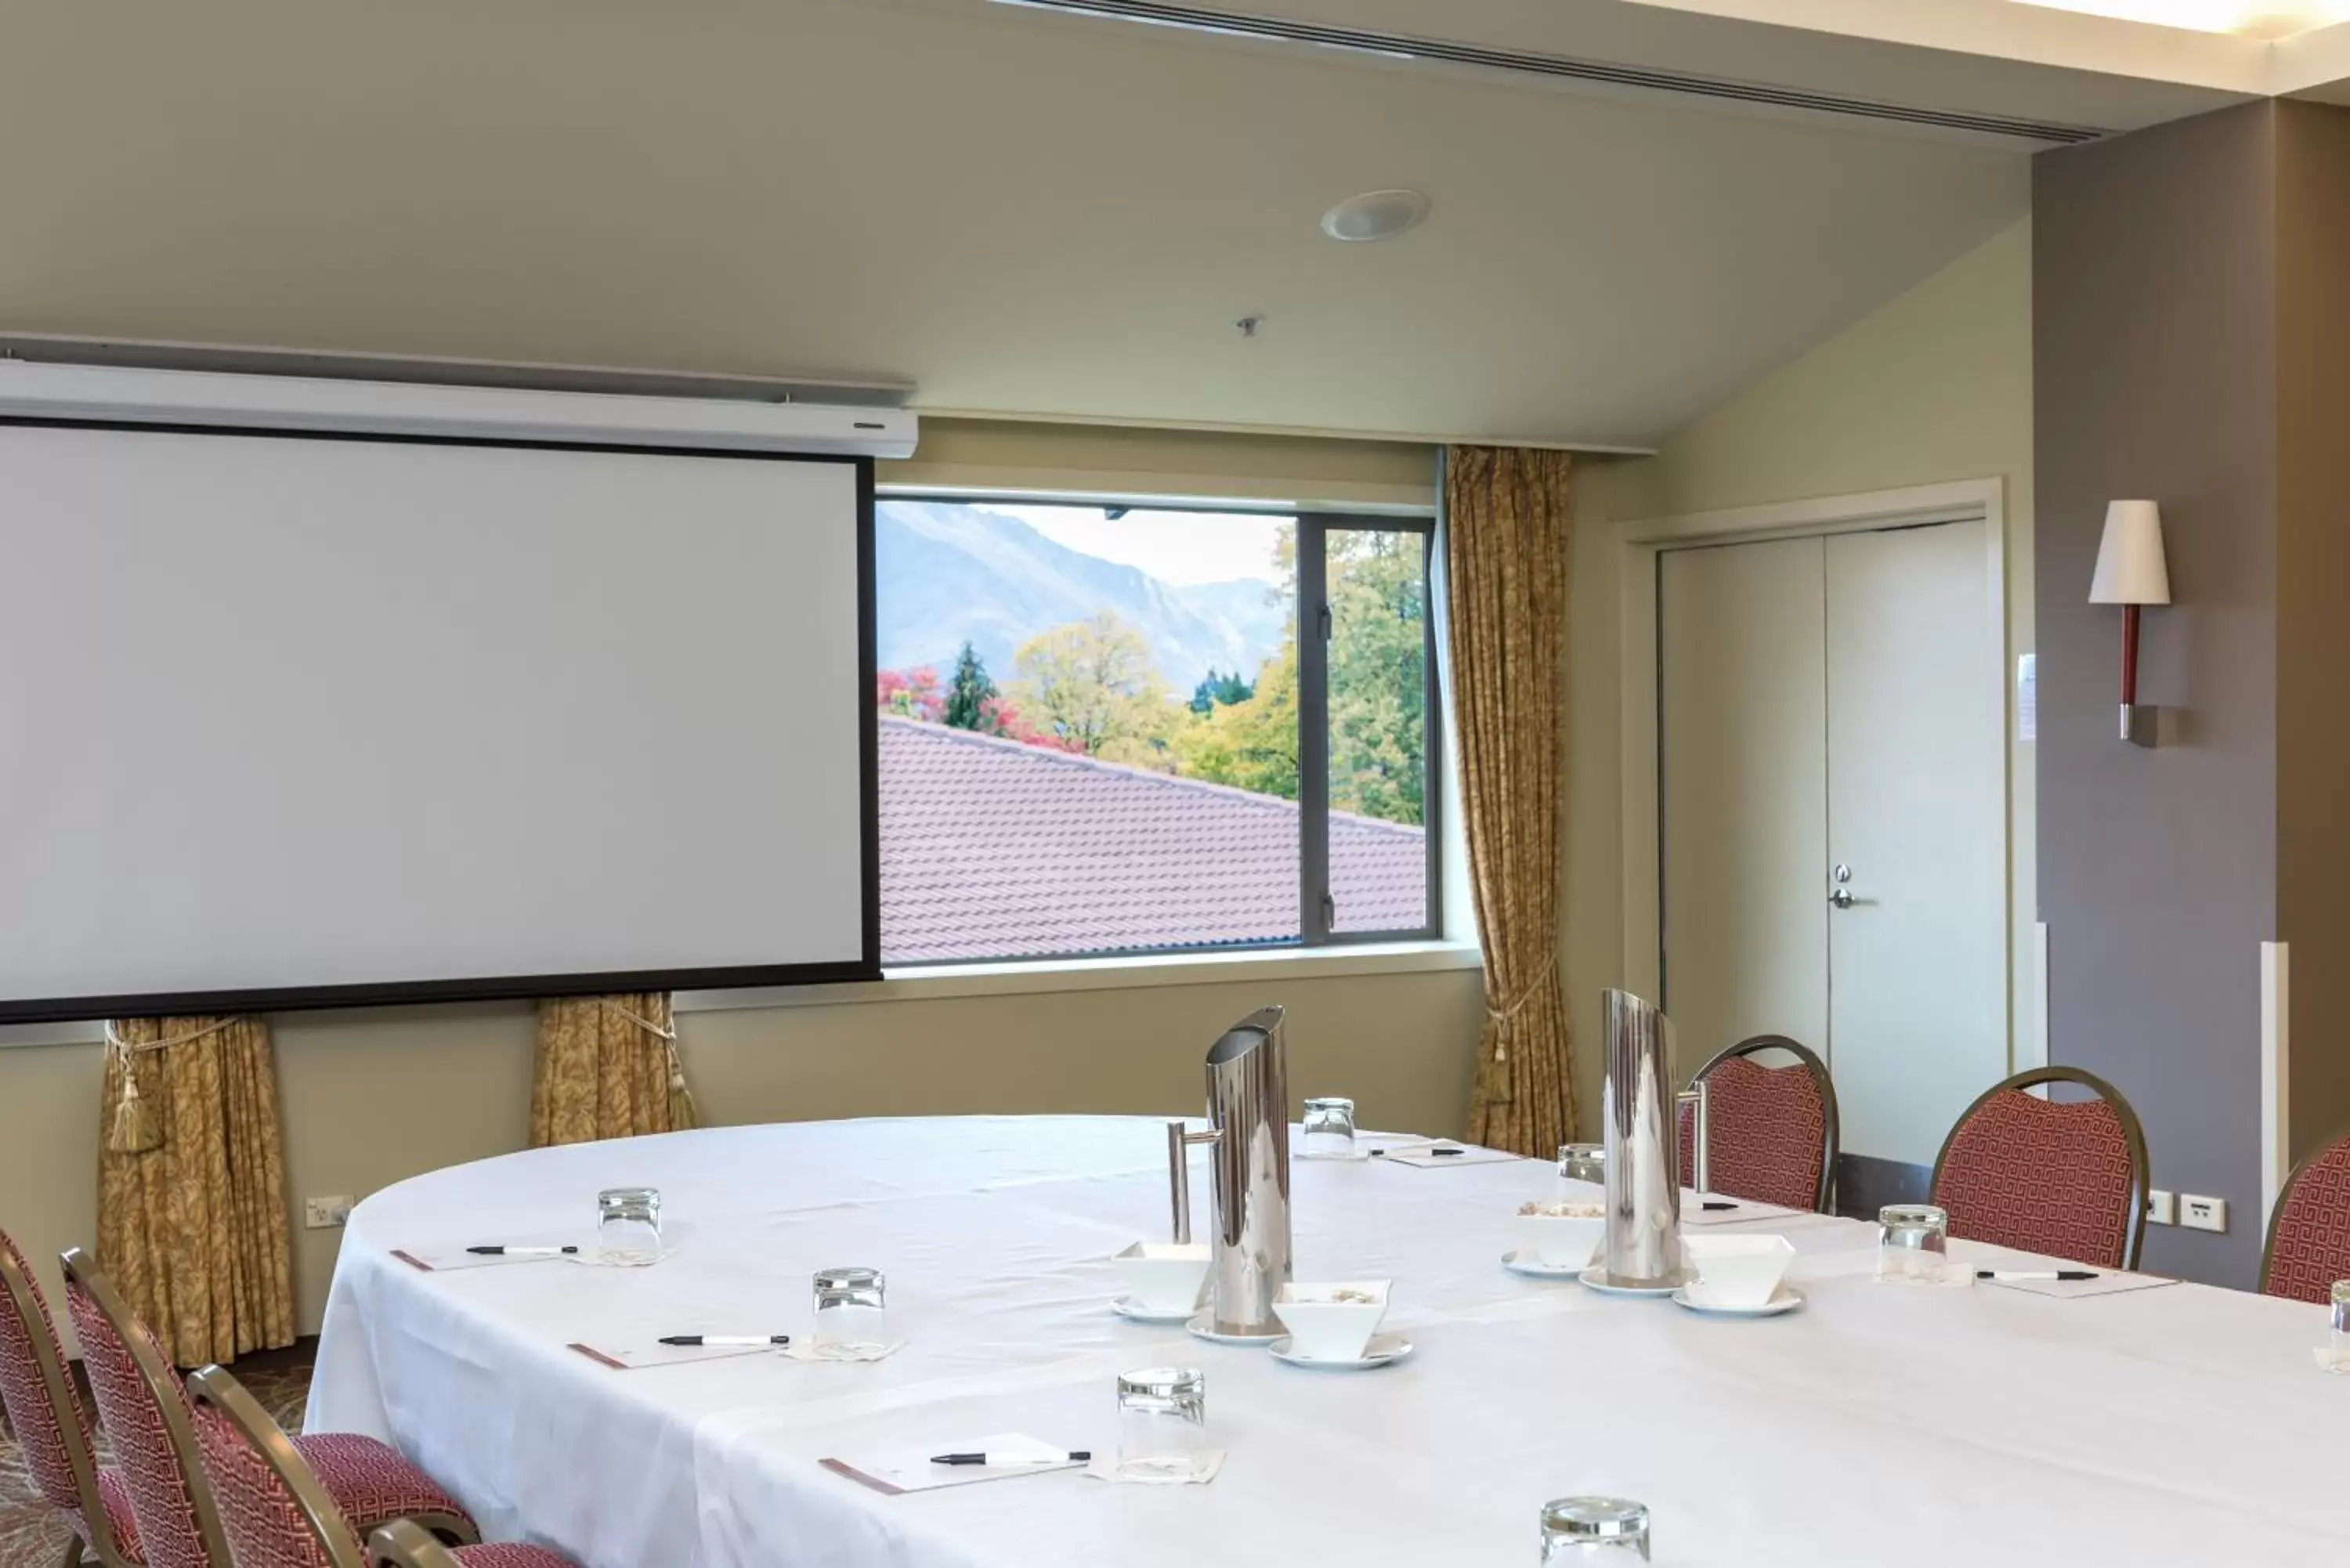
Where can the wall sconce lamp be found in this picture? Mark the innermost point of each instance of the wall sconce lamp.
(2131, 572)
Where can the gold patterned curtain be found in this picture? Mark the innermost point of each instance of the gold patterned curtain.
(1507, 515)
(607, 1067)
(191, 1185)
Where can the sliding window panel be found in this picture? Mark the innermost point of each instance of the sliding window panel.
(1377, 758)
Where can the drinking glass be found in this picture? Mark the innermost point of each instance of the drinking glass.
(2340, 1359)
(852, 1312)
(1329, 1128)
(1162, 1420)
(1603, 1529)
(627, 1226)
(1913, 1244)
(1581, 1163)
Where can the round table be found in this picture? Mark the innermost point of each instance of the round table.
(1876, 1425)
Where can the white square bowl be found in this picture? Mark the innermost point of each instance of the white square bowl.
(1562, 1240)
(1163, 1276)
(1736, 1271)
(1324, 1327)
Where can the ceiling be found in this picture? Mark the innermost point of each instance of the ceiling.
(1019, 212)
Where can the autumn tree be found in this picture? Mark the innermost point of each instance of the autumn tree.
(1251, 744)
(909, 693)
(1093, 683)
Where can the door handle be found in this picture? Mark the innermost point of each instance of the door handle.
(1842, 897)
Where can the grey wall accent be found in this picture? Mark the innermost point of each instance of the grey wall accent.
(2313, 603)
(2155, 374)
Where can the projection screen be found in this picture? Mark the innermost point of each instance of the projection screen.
(301, 720)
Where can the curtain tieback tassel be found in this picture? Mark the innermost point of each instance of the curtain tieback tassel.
(683, 1116)
(138, 1125)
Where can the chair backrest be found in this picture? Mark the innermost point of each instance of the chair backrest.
(404, 1543)
(148, 1424)
(277, 1511)
(44, 1407)
(2308, 1245)
(1771, 1133)
(2067, 1179)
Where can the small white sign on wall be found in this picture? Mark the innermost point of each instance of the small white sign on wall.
(2027, 696)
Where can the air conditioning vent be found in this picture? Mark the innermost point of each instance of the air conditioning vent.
(1391, 46)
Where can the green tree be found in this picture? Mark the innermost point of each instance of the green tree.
(1091, 683)
(1377, 663)
(1225, 690)
(970, 693)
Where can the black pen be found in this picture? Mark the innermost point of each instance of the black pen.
(1713, 1207)
(1077, 1456)
(520, 1252)
(2011, 1276)
(1447, 1151)
(712, 1341)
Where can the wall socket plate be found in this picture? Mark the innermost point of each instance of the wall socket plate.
(2161, 1207)
(2198, 1213)
(326, 1213)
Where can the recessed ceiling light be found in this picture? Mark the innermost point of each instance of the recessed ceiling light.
(1375, 215)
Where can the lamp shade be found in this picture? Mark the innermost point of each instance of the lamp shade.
(2131, 565)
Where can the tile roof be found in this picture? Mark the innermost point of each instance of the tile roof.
(992, 849)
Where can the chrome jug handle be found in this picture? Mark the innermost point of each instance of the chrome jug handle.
(1179, 1173)
(1700, 1135)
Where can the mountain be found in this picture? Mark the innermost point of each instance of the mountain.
(947, 572)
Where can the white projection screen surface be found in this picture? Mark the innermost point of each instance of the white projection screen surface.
(307, 720)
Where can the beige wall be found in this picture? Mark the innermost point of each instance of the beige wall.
(372, 1097)
(1934, 385)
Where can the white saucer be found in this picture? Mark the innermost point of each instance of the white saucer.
(1594, 1278)
(1126, 1308)
(1787, 1298)
(1521, 1261)
(1384, 1350)
(1201, 1328)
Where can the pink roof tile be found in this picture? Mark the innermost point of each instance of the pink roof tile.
(994, 849)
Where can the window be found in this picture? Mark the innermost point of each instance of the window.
(1101, 731)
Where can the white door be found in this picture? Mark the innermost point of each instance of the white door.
(1824, 702)
(1743, 725)
(1917, 812)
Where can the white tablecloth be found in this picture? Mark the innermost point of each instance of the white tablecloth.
(1877, 1426)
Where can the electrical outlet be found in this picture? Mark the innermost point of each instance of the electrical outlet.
(325, 1213)
(2202, 1213)
(2162, 1208)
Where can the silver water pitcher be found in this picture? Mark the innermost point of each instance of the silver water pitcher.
(1248, 1122)
(1644, 1185)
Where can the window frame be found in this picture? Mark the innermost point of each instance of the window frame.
(1315, 910)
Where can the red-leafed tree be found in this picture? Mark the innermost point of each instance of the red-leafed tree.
(910, 693)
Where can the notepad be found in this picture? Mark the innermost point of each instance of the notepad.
(897, 1471)
(1424, 1156)
(630, 1357)
(2104, 1284)
(445, 1260)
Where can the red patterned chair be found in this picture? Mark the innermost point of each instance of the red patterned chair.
(278, 1515)
(148, 1421)
(401, 1544)
(2066, 1179)
(53, 1426)
(1771, 1131)
(2308, 1246)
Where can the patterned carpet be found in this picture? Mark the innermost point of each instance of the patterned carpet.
(30, 1536)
